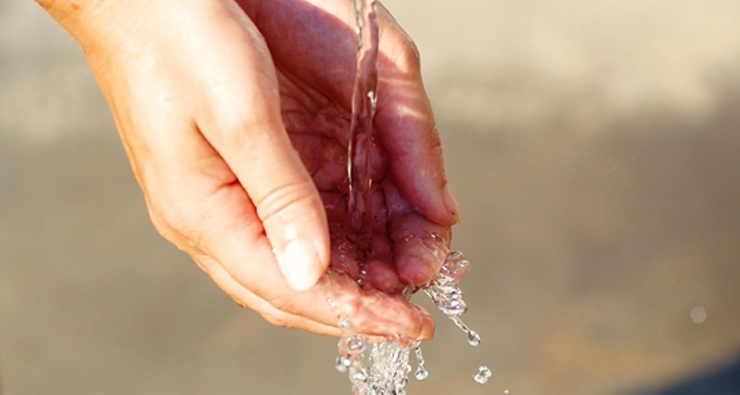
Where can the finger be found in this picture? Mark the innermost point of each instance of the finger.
(245, 298)
(244, 125)
(374, 312)
(404, 116)
(420, 245)
(406, 126)
(371, 311)
(383, 276)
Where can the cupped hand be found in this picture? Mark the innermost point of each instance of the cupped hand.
(235, 117)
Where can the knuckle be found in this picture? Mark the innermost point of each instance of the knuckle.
(161, 225)
(164, 222)
(409, 58)
(175, 224)
(277, 202)
(281, 304)
(228, 126)
(282, 312)
(278, 318)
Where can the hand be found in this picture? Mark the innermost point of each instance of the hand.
(203, 92)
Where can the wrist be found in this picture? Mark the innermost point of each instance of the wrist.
(97, 25)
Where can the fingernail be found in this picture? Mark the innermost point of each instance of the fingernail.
(427, 332)
(299, 264)
(450, 203)
(427, 323)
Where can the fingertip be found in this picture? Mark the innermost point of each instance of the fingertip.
(418, 266)
(382, 276)
(421, 247)
(450, 203)
(299, 263)
(438, 204)
(427, 325)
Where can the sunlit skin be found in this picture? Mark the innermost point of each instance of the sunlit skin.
(235, 118)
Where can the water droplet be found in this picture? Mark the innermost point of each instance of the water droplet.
(361, 279)
(357, 375)
(462, 266)
(473, 338)
(344, 324)
(698, 314)
(373, 98)
(506, 391)
(421, 373)
(455, 255)
(355, 345)
(343, 363)
(482, 375)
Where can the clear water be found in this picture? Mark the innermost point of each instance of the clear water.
(421, 372)
(373, 368)
(382, 368)
(482, 375)
(447, 295)
(361, 125)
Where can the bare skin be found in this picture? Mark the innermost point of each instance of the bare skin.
(235, 117)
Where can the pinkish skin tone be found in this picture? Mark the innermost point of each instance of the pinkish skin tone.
(398, 254)
(402, 250)
(193, 87)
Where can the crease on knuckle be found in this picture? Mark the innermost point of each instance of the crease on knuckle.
(276, 202)
(280, 313)
(175, 225)
(278, 318)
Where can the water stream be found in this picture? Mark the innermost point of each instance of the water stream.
(360, 145)
(382, 368)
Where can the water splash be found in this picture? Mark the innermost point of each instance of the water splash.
(374, 368)
(447, 295)
(382, 368)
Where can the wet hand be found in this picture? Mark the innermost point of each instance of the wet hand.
(209, 102)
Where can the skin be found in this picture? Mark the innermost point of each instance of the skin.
(235, 118)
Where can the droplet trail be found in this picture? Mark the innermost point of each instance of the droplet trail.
(421, 373)
(473, 338)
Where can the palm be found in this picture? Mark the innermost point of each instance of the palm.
(316, 72)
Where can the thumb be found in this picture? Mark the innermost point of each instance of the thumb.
(290, 209)
(285, 198)
(256, 147)
(244, 125)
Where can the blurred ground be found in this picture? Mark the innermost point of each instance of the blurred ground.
(595, 151)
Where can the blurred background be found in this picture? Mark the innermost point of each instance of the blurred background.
(595, 151)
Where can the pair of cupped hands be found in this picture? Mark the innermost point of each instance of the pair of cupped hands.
(235, 117)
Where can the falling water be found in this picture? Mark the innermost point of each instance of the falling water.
(360, 145)
(383, 368)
